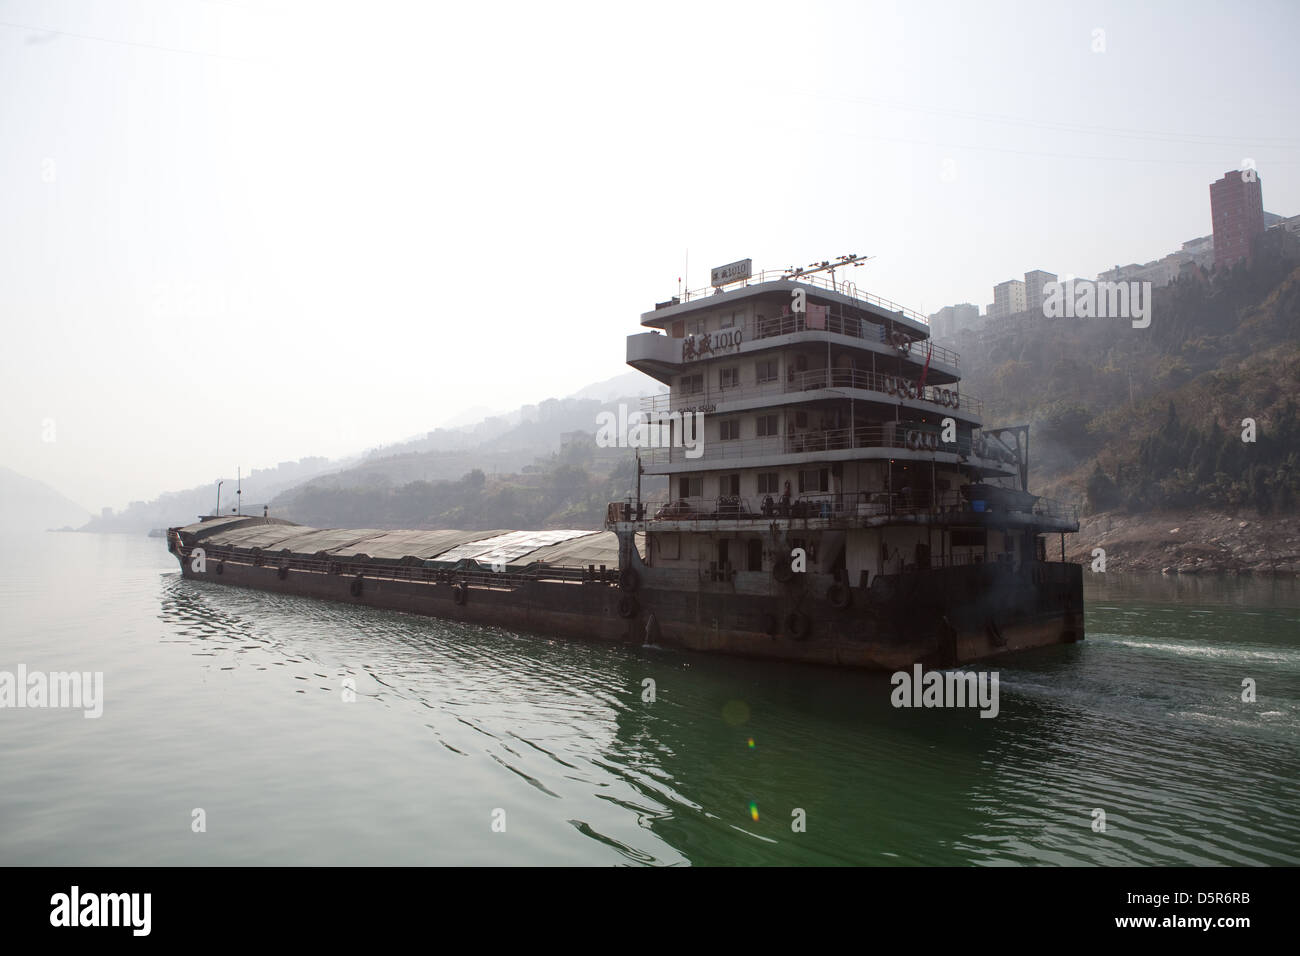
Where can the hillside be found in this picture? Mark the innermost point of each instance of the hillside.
(545, 472)
(27, 505)
(1151, 419)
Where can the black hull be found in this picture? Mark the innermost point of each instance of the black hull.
(937, 617)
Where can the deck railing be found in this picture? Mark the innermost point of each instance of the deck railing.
(850, 506)
(897, 387)
(909, 436)
(843, 287)
(771, 326)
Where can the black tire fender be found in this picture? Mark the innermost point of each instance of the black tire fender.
(797, 625)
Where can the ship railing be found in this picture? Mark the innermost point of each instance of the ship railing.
(910, 436)
(847, 288)
(766, 327)
(897, 387)
(1049, 508)
(849, 507)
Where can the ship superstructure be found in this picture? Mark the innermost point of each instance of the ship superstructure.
(835, 443)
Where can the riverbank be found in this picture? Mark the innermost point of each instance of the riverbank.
(1182, 542)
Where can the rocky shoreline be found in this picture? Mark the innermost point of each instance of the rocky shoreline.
(1183, 542)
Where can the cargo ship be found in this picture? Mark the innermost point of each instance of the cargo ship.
(833, 497)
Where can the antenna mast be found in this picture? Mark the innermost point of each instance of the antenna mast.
(827, 266)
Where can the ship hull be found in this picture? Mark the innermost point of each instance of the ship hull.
(939, 618)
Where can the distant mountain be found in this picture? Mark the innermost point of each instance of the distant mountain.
(506, 444)
(469, 417)
(30, 505)
(631, 383)
(497, 444)
(174, 508)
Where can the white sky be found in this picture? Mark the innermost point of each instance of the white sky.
(242, 233)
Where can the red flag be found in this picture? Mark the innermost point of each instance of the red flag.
(925, 370)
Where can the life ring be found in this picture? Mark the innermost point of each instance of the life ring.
(221, 567)
(839, 595)
(912, 440)
(891, 385)
(945, 397)
(782, 570)
(956, 400)
(356, 586)
(629, 580)
(282, 571)
(797, 624)
(460, 593)
(627, 606)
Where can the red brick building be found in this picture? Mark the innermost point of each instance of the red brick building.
(1237, 211)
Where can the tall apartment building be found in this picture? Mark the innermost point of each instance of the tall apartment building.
(952, 319)
(1237, 211)
(1008, 298)
(1034, 288)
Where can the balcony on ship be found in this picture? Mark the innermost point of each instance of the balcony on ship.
(886, 439)
(970, 505)
(889, 388)
(662, 355)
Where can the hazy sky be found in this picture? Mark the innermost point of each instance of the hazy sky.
(241, 233)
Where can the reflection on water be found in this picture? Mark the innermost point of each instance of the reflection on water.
(240, 700)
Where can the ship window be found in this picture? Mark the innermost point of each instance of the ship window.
(692, 384)
(967, 539)
(724, 558)
(768, 483)
(767, 371)
(768, 425)
(679, 329)
(814, 480)
(690, 486)
(800, 419)
(755, 562)
(729, 430)
(729, 484)
(670, 546)
(728, 377)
